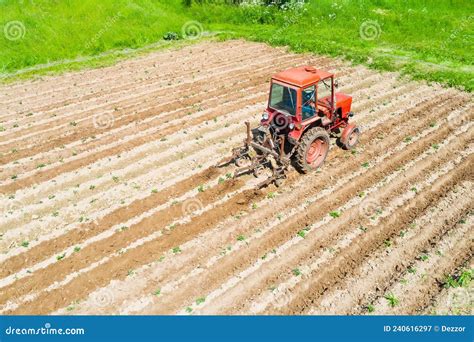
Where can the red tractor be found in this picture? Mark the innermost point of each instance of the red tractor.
(303, 112)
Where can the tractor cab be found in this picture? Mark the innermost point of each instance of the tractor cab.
(305, 95)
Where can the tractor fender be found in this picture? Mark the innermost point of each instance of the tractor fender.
(347, 130)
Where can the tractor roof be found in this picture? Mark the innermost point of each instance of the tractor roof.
(301, 76)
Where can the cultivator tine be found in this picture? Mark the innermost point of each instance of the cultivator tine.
(236, 154)
(266, 182)
(256, 162)
(224, 162)
(239, 152)
(242, 171)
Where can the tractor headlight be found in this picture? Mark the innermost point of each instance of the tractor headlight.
(265, 116)
(291, 125)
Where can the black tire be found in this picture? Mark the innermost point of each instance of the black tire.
(351, 140)
(310, 136)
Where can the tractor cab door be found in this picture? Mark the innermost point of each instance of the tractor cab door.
(325, 92)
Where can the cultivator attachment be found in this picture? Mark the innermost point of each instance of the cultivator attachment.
(261, 151)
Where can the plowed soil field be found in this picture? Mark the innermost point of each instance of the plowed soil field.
(111, 204)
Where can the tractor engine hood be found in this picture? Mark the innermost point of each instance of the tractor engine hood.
(343, 101)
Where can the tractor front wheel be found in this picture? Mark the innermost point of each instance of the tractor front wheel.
(312, 150)
(350, 137)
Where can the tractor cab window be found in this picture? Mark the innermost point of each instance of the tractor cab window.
(283, 99)
(309, 102)
(325, 92)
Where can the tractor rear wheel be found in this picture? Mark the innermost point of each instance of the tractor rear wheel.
(312, 150)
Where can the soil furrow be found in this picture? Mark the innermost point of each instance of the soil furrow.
(114, 78)
(18, 260)
(51, 157)
(131, 103)
(49, 174)
(443, 257)
(117, 267)
(452, 300)
(45, 249)
(277, 269)
(351, 258)
(56, 273)
(98, 79)
(125, 114)
(289, 228)
(95, 251)
(390, 263)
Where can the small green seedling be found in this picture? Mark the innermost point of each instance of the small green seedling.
(392, 300)
(200, 300)
(424, 257)
(465, 278)
(450, 282)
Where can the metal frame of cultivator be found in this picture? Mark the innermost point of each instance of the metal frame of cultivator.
(253, 157)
